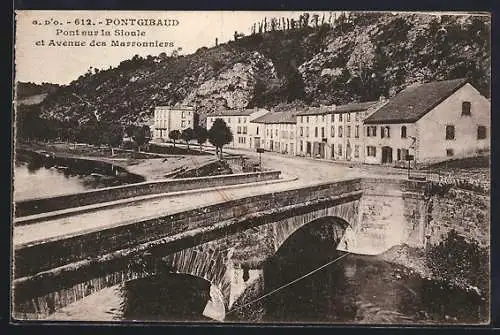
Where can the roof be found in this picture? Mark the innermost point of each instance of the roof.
(415, 101)
(317, 110)
(348, 108)
(234, 112)
(355, 107)
(277, 117)
(175, 108)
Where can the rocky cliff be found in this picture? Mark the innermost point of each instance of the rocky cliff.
(355, 58)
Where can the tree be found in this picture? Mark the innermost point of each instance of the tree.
(174, 135)
(187, 135)
(113, 136)
(140, 136)
(129, 130)
(219, 135)
(201, 135)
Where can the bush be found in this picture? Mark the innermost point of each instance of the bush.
(459, 261)
(129, 145)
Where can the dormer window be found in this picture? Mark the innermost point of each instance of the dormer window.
(466, 108)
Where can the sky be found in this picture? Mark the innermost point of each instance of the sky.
(63, 64)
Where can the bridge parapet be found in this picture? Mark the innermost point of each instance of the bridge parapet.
(108, 194)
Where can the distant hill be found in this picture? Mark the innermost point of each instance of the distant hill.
(25, 90)
(354, 58)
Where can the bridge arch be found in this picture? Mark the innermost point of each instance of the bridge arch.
(346, 215)
(154, 294)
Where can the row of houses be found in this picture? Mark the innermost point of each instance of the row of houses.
(432, 122)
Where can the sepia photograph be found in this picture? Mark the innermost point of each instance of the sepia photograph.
(251, 167)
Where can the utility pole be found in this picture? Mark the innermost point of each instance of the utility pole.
(260, 151)
(411, 157)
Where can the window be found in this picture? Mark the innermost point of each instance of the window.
(371, 131)
(244, 120)
(356, 151)
(449, 152)
(340, 131)
(244, 129)
(333, 118)
(402, 153)
(403, 131)
(238, 130)
(466, 108)
(333, 151)
(323, 118)
(257, 130)
(385, 132)
(267, 132)
(301, 146)
(348, 131)
(340, 149)
(333, 131)
(322, 132)
(307, 131)
(315, 131)
(183, 115)
(450, 132)
(183, 124)
(301, 131)
(356, 131)
(307, 119)
(481, 132)
(340, 117)
(356, 116)
(371, 151)
(348, 117)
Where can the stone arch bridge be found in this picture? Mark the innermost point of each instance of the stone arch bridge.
(219, 243)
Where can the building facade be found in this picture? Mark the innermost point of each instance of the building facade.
(167, 118)
(333, 132)
(245, 133)
(432, 122)
(277, 132)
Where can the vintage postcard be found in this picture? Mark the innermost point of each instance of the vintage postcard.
(228, 167)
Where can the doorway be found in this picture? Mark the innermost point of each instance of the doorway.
(386, 155)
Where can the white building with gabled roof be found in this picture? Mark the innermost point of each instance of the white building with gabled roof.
(433, 122)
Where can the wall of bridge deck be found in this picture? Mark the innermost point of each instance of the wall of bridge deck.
(43, 205)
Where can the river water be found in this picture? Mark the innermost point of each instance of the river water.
(355, 289)
(38, 176)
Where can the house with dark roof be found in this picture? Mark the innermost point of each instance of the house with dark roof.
(239, 121)
(333, 132)
(276, 132)
(432, 122)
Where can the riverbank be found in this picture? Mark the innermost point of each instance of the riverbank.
(149, 166)
(418, 260)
